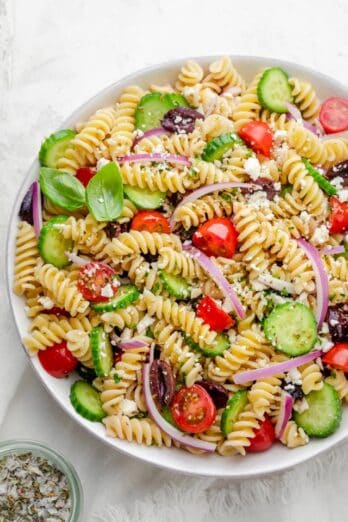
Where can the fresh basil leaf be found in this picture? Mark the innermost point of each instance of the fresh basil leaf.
(62, 188)
(104, 193)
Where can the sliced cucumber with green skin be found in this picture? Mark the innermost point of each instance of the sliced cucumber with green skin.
(291, 328)
(86, 401)
(124, 296)
(176, 285)
(153, 106)
(274, 91)
(324, 414)
(167, 415)
(221, 343)
(52, 245)
(233, 409)
(54, 147)
(323, 183)
(102, 354)
(217, 147)
(144, 198)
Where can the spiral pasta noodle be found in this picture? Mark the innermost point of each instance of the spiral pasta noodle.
(79, 345)
(293, 436)
(171, 180)
(264, 394)
(141, 431)
(190, 75)
(242, 432)
(249, 107)
(339, 381)
(180, 263)
(26, 258)
(305, 98)
(223, 75)
(311, 376)
(135, 242)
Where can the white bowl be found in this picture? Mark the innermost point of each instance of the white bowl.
(279, 457)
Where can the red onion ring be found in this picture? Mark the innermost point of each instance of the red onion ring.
(286, 404)
(152, 132)
(274, 369)
(174, 433)
(213, 271)
(321, 279)
(131, 343)
(295, 114)
(37, 208)
(155, 156)
(331, 251)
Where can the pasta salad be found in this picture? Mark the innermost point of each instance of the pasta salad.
(184, 253)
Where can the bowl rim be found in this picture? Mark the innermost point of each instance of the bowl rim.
(124, 80)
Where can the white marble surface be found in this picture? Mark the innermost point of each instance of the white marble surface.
(53, 56)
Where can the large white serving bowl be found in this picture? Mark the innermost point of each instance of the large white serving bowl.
(279, 457)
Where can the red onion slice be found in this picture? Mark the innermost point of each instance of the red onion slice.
(213, 271)
(274, 369)
(321, 280)
(37, 208)
(286, 404)
(331, 251)
(152, 132)
(203, 191)
(174, 433)
(77, 260)
(295, 114)
(155, 156)
(131, 343)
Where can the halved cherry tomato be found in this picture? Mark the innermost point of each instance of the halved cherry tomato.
(57, 360)
(85, 174)
(193, 409)
(59, 312)
(216, 237)
(264, 437)
(213, 315)
(97, 282)
(334, 114)
(258, 135)
(151, 221)
(338, 216)
(337, 357)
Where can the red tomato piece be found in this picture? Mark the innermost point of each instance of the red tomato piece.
(337, 357)
(193, 409)
(151, 221)
(57, 360)
(216, 237)
(258, 135)
(97, 282)
(213, 315)
(334, 114)
(85, 174)
(264, 437)
(59, 312)
(338, 216)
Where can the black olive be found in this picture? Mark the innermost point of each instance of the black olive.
(341, 170)
(217, 392)
(114, 229)
(162, 382)
(26, 208)
(181, 120)
(295, 390)
(88, 374)
(337, 318)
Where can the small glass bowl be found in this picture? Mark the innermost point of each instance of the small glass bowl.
(40, 450)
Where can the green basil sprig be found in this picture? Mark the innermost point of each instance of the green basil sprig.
(104, 193)
(62, 189)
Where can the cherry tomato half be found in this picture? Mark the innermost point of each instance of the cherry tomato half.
(258, 135)
(97, 282)
(216, 237)
(57, 360)
(193, 409)
(337, 357)
(85, 174)
(213, 315)
(338, 216)
(264, 437)
(151, 221)
(334, 114)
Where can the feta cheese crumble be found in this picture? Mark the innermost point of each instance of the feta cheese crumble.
(253, 168)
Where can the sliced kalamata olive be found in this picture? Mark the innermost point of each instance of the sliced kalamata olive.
(337, 318)
(26, 209)
(87, 374)
(181, 120)
(150, 258)
(162, 382)
(217, 392)
(295, 390)
(341, 170)
(175, 198)
(114, 229)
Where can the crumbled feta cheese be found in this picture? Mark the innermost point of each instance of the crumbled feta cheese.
(144, 323)
(128, 407)
(102, 162)
(343, 195)
(325, 344)
(46, 302)
(195, 292)
(337, 182)
(258, 200)
(253, 168)
(301, 406)
(277, 185)
(280, 134)
(107, 291)
(333, 322)
(227, 305)
(305, 217)
(325, 327)
(294, 377)
(321, 235)
(232, 336)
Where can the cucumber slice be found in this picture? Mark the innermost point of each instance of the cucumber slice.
(124, 296)
(319, 178)
(175, 285)
(86, 401)
(177, 100)
(167, 415)
(274, 91)
(221, 344)
(291, 328)
(324, 414)
(217, 147)
(52, 245)
(102, 354)
(144, 198)
(153, 106)
(54, 147)
(234, 408)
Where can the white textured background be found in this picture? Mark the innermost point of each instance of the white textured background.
(54, 54)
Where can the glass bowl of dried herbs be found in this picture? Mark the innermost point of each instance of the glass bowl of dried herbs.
(37, 483)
